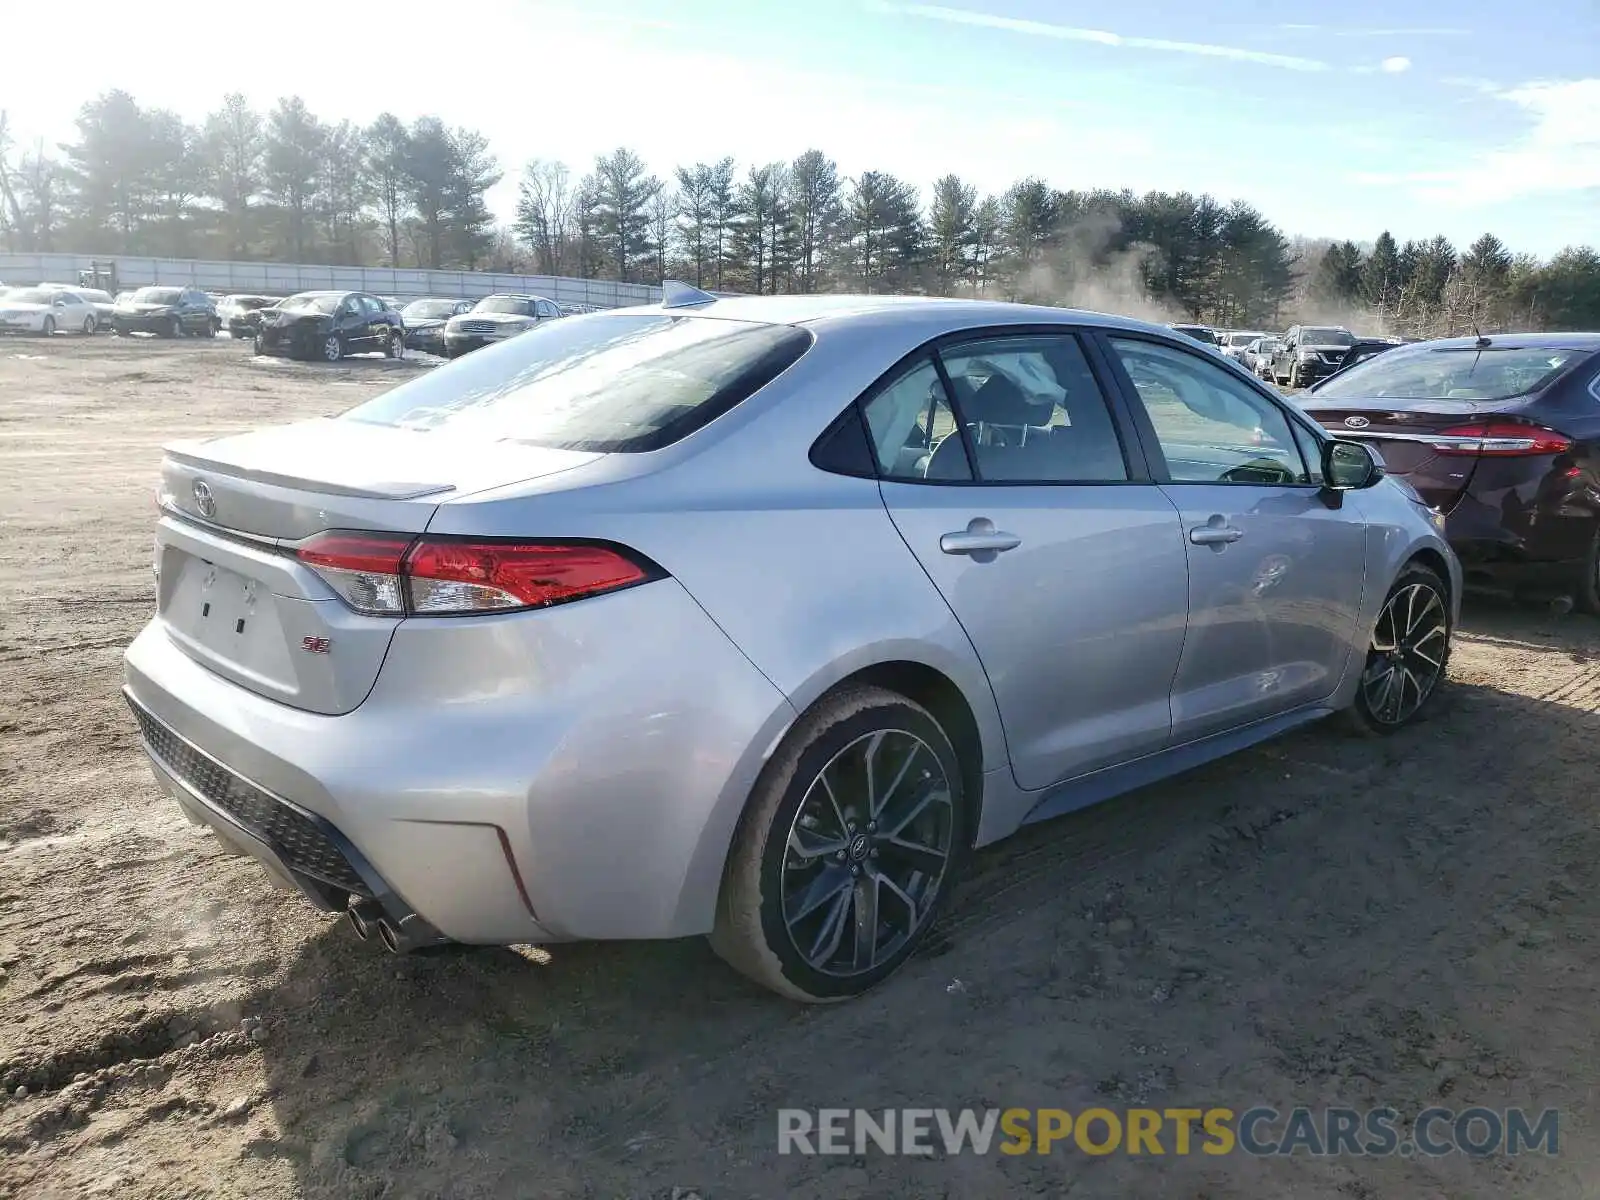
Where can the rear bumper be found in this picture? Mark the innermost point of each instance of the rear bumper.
(142, 324)
(572, 773)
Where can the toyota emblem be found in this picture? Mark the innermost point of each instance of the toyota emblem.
(203, 499)
(1357, 422)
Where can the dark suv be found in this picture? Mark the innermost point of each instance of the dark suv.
(1501, 435)
(1310, 353)
(168, 311)
(329, 325)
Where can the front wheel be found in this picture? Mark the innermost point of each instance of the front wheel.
(851, 840)
(394, 344)
(89, 326)
(1406, 655)
(175, 328)
(48, 328)
(332, 348)
(1294, 376)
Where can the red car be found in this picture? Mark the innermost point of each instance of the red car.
(1499, 434)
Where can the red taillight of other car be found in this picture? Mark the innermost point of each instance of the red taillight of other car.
(395, 575)
(1501, 439)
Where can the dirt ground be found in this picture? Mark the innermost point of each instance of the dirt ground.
(1320, 922)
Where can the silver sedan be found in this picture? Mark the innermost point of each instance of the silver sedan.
(753, 617)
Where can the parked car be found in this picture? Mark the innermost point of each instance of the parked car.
(328, 326)
(1258, 356)
(1200, 333)
(425, 321)
(167, 311)
(100, 301)
(1502, 436)
(495, 318)
(240, 315)
(45, 310)
(1235, 342)
(1310, 353)
(559, 666)
(1362, 349)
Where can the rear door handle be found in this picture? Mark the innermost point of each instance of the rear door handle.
(979, 538)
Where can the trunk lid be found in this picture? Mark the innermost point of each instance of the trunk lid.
(1399, 430)
(230, 592)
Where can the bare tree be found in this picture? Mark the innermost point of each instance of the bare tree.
(545, 207)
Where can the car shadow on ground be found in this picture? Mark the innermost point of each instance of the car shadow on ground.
(1323, 920)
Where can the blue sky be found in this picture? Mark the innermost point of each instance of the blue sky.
(1335, 119)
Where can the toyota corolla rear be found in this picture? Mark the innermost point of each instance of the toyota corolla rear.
(427, 657)
(1498, 435)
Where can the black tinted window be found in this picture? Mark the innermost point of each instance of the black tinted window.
(603, 383)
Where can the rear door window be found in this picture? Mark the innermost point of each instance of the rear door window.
(602, 383)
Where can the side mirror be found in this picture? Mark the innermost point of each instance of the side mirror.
(1350, 467)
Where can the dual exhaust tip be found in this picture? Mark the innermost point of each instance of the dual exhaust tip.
(411, 932)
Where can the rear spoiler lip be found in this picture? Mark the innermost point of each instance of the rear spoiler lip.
(399, 490)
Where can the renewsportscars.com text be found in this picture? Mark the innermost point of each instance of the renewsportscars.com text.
(1258, 1131)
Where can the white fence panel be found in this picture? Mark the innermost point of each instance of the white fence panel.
(284, 278)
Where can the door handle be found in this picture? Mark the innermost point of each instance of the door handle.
(979, 538)
(1216, 533)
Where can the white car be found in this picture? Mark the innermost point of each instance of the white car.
(1236, 342)
(45, 310)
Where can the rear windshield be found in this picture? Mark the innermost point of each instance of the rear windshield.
(317, 302)
(156, 295)
(602, 383)
(514, 305)
(1198, 332)
(1454, 373)
(425, 309)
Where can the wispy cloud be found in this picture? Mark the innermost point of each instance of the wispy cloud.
(1559, 153)
(1103, 37)
(1347, 31)
(1395, 65)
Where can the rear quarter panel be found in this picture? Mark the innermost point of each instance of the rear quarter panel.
(802, 569)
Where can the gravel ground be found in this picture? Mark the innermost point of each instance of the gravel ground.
(1319, 921)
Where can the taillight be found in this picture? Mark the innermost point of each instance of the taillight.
(364, 568)
(1500, 439)
(394, 575)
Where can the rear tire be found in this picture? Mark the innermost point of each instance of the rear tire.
(1588, 589)
(1399, 676)
(175, 328)
(332, 348)
(89, 326)
(853, 867)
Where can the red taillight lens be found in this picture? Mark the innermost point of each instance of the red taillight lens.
(394, 574)
(447, 576)
(1501, 439)
(364, 568)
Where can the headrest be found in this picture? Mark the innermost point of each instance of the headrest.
(999, 401)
